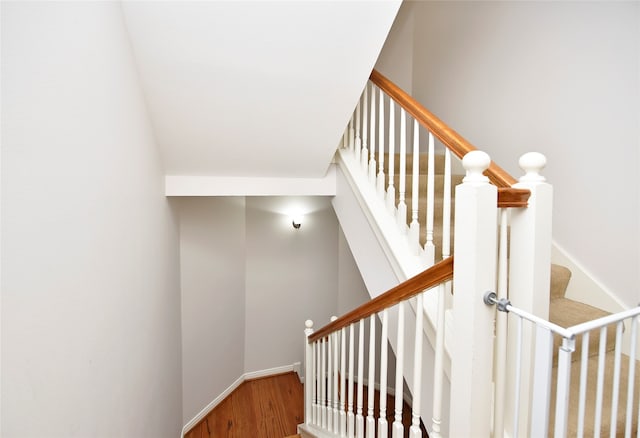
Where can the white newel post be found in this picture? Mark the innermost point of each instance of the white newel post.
(309, 378)
(529, 274)
(474, 274)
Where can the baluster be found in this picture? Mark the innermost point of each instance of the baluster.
(446, 206)
(584, 364)
(372, 140)
(323, 382)
(600, 381)
(429, 246)
(350, 415)
(352, 135)
(631, 375)
(501, 328)
(358, 140)
(329, 382)
(318, 406)
(380, 179)
(414, 430)
(438, 367)
(359, 417)
(365, 120)
(616, 380)
(336, 414)
(309, 375)
(345, 137)
(382, 419)
(398, 427)
(343, 387)
(414, 228)
(391, 190)
(402, 205)
(371, 422)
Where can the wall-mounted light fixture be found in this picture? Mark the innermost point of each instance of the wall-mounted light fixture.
(296, 221)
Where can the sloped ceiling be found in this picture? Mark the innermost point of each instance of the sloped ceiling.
(255, 89)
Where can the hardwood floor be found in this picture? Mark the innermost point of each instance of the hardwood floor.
(269, 407)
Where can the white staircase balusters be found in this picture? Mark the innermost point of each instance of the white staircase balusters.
(323, 384)
(584, 364)
(499, 373)
(318, 383)
(391, 191)
(309, 375)
(446, 206)
(358, 139)
(616, 380)
(429, 248)
(380, 179)
(382, 416)
(359, 417)
(631, 377)
(600, 381)
(350, 415)
(370, 421)
(372, 139)
(398, 427)
(343, 387)
(414, 227)
(402, 205)
(352, 136)
(438, 367)
(330, 382)
(365, 120)
(335, 378)
(414, 430)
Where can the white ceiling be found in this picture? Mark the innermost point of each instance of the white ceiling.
(254, 88)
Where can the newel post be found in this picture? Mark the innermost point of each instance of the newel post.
(529, 273)
(474, 274)
(309, 377)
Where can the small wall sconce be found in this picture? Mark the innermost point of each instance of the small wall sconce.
(296, 221)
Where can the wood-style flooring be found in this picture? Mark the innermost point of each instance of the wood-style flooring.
(269, 407)
(272, 407)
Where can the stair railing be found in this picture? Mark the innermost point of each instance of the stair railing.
(487, 194)
(371, 141)
(333, 407)
(551, 403)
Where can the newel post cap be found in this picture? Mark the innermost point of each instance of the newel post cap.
(475, 163)
(333, 318)
(532, 163)
(308, 330)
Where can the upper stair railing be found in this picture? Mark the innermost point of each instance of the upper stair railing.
(468, 348)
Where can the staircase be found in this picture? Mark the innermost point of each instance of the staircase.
(382, 182)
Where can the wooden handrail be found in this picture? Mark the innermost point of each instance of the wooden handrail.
(451, 139)
(433, 276)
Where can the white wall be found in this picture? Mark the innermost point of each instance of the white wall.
(561, 78)
(212, 267)
(90, 301)
(292, 275)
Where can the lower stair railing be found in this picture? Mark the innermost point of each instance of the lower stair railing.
(453, 378)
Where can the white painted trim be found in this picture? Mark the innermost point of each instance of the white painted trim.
(246, 376)
(206, 185)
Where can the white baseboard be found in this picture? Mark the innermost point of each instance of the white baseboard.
(246, 376)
